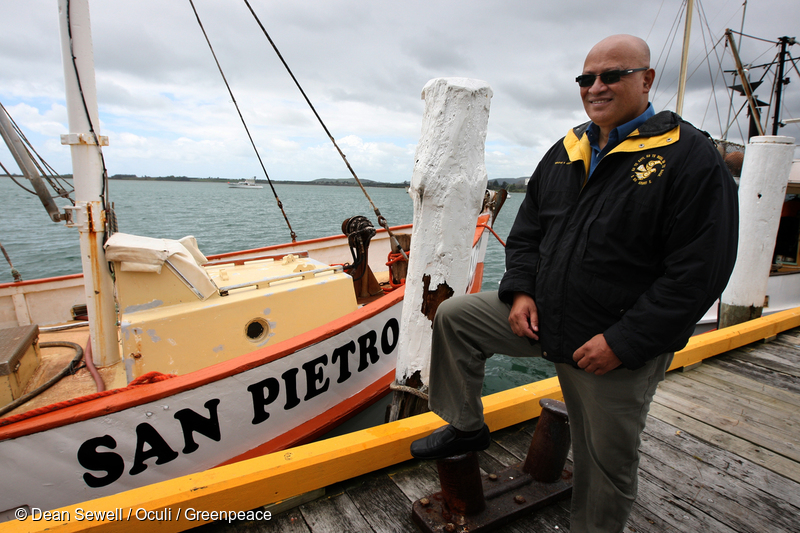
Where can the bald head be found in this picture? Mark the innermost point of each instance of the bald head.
(634, 49)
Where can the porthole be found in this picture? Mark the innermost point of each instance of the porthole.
(256, 330)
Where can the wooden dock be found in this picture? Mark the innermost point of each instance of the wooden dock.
(721, 453)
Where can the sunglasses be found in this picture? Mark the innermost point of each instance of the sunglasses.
(608, 77)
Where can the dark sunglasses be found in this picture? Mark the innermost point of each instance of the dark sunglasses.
(608, 77)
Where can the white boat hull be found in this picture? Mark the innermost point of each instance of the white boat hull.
(203, 425)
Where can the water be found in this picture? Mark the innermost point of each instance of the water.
(225, 220)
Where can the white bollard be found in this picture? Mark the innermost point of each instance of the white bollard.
(762, 189)
(447, 187)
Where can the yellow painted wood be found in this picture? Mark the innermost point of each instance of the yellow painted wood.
(278, 476)
(723, 340)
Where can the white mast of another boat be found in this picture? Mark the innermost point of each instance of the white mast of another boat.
(89, 213)
(687, 30)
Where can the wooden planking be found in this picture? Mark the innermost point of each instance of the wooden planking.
(333, 514)
(657, 510)
(756, 394)
(777, 358)
(759, 373)
(726, 441)
(417, 481)
(660, 433)
(728, 498)
(384, 506)
(776, 422)
(752, 431)
(745, 383)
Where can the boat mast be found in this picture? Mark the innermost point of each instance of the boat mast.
(745, 83)
(780, 82)
(687, 31)
(89, 213)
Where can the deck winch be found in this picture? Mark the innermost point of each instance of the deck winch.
(360, 231)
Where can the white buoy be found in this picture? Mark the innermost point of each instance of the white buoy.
(762, 189)
(447, 187)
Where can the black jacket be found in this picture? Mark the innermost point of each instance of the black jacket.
(639, 252)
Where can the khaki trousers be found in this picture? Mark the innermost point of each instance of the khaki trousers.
(607, 413)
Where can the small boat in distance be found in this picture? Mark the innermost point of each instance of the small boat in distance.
(245, 184)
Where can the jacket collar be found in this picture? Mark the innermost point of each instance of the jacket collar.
(660, 130)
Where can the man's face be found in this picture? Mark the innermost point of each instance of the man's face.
(612, 105)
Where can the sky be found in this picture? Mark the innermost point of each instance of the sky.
(363, 65)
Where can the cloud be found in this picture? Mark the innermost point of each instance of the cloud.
(167, 111)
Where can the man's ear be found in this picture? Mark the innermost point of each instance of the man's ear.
(649, 77)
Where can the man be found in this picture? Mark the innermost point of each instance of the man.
(626, 236)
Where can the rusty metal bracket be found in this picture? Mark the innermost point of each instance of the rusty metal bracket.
(473, 503)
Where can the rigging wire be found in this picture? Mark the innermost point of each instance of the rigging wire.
(48, 173)
(705, 26)
(21, 186)
(668, 44)
(247, 130)
(655, 20)
(381, 219)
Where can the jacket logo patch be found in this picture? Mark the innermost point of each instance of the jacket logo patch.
(647, 168)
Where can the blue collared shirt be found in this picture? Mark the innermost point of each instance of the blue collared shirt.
(616, 136)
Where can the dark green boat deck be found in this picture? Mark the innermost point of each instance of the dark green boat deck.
(721, 453)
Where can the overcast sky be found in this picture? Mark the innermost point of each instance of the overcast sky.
(363, 64)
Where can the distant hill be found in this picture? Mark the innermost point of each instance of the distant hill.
(513, 184)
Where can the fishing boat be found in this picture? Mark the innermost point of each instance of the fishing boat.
(245, 184)
(191, 361)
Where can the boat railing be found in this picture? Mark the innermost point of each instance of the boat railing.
(307, 274)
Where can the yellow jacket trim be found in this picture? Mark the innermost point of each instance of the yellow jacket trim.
(579, 149)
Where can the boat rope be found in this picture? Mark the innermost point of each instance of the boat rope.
(14, 271)
(381, 220)
(144, 379)
(104, 187)
(410, 390)
(246, 129)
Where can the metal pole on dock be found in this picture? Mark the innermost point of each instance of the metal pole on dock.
(762, 189)
(89, 213)
(447, 186)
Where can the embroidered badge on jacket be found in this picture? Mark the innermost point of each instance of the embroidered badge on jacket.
(647, 168)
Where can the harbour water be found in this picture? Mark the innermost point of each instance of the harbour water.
(225, 220)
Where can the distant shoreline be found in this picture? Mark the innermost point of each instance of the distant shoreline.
(343, 182)
(512, 185)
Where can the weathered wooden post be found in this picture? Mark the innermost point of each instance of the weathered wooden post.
(762, 189)
(448, 187)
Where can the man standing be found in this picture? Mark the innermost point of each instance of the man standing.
(626, 236)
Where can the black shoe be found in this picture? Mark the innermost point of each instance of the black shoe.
(445, 442)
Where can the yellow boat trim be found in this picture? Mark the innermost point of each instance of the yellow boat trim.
(276, 477)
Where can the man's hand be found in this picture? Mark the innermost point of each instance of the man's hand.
(596, 356)
(524, 318)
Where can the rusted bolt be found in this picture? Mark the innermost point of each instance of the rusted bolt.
(492, 477)
(519, 498)
(424, 502)
(450, 527)
(136, 355)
